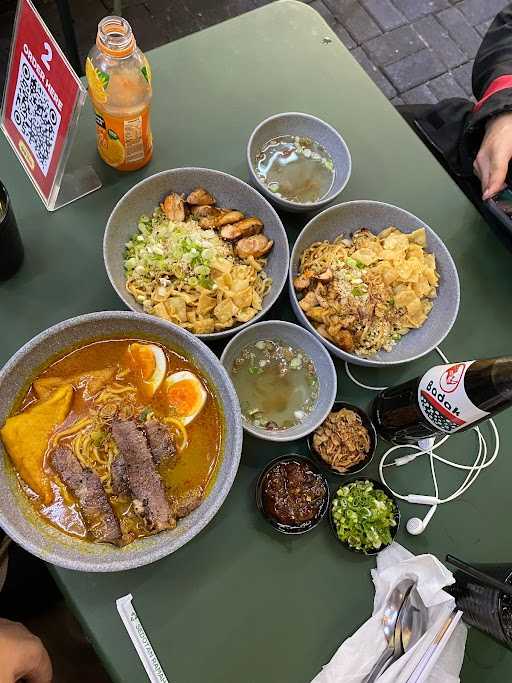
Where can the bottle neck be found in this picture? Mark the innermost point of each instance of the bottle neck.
(115, 37)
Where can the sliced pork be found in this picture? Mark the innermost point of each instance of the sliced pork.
(86, 487)
(160, 440)
(145, 484)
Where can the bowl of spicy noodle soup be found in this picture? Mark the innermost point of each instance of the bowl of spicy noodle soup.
(43, 371)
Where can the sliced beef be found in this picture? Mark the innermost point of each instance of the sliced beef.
(145, 484)
(86, 487)
(120, 484)
(160, 440)
(188, 502)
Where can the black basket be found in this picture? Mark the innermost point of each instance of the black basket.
(485, 608)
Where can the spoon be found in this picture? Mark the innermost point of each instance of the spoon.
(389, 622)
(406, 630)
(413, 620)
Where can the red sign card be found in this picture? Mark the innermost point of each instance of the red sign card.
(41, 100)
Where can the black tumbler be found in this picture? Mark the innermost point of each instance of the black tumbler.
(485, 608)
(11, 247)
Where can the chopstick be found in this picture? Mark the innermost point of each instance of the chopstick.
(434, 650)
(479, 575)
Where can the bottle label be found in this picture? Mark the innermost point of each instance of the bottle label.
(123, 142)
(443, 400)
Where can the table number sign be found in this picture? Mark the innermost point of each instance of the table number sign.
(42, 101)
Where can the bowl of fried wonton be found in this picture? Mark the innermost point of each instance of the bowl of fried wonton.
(197, 248)
(374, 282)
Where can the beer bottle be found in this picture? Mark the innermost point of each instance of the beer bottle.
(445, 400)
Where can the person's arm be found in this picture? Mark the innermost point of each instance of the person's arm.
(22, 655)
(491, 118)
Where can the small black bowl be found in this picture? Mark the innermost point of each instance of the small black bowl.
(338, 405)
(394, 531)
(285, 528)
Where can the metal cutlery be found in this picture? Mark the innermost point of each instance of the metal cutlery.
(414, 620)
(433, 652)
(392, 609)
(409, 628)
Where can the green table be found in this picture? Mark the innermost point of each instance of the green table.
(241, 603)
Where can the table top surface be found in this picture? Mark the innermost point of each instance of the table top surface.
(242, 602)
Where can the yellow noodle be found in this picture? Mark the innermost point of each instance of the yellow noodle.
(108, 410)
(75, 427)
(182, 430)
(364, 319)
(98, 453)
(115, 389)
(126, 412)
(123, 374)
(148, 290)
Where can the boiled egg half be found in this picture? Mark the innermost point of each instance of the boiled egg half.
(150, 361)
(185, 394)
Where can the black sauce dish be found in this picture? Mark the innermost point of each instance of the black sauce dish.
(337, 406)
(394, 530)
(285, 528)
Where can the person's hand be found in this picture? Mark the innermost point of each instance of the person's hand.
(491, 163)
(22, 655)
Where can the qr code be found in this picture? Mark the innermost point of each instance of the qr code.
(35, 116)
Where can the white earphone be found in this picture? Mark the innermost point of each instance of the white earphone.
(415, 525)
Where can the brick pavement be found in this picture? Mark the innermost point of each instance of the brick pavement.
(414, 50)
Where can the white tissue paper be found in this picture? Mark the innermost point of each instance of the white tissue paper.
(355, 658)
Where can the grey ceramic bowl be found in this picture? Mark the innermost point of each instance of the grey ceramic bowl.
(299, 337)
(18, 518)
(344, 219)
(295, 123)
(228, 190)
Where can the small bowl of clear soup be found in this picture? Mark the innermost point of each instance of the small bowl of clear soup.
(284, 378)
(298, 161)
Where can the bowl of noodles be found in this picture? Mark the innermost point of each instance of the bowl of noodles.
(120, 438)
(197, 248)
(374, 283)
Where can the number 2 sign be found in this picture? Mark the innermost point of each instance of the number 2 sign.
(47, 55)
(42, 100)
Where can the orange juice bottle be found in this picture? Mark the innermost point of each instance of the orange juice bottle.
(119, 78)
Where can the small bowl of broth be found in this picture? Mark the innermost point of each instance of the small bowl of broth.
(284, 379)
(298, 161)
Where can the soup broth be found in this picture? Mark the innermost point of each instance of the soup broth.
(276, 384)
(296, 168)
(125, 382)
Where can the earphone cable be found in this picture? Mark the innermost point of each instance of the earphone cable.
(473, 470)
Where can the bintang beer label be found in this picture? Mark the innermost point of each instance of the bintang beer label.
(443, 399)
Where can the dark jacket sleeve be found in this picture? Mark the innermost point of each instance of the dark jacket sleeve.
(452, 127)
(494, 59)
